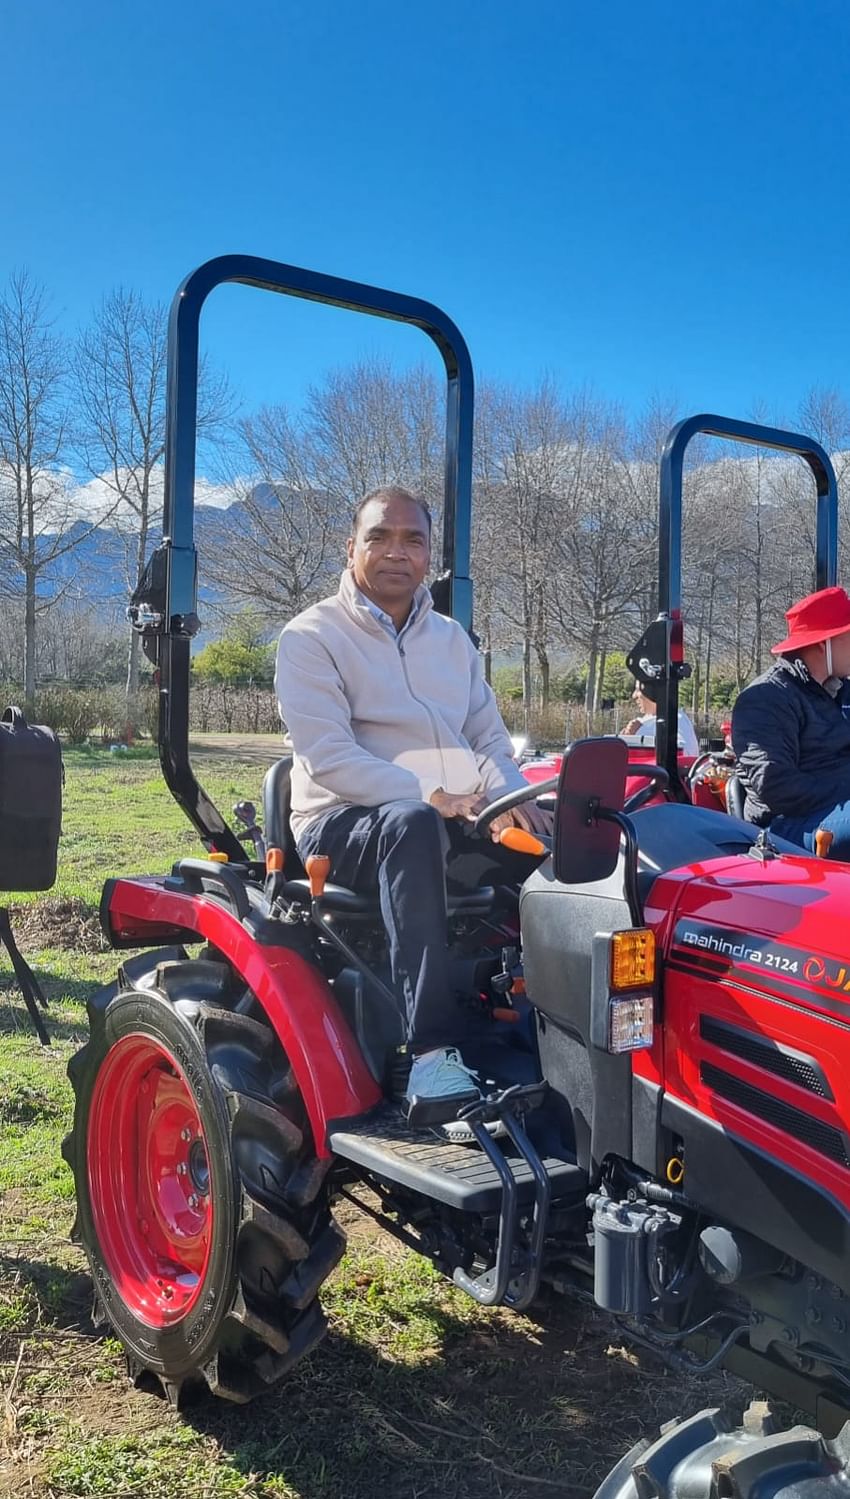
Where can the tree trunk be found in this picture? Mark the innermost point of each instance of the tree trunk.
(487, 650)
(599, 689)
(133, 649)
(707, 688)
(29, 640)
(526, 683)
(590, 687)
(545, 673)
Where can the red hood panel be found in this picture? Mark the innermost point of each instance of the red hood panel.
(783, 925)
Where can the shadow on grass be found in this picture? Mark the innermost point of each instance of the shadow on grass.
(493, 1409)
(496, 1411)
(62, 1296)
(15, 1019)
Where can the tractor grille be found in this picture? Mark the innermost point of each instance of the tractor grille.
(769, 1055)
(812, 1132)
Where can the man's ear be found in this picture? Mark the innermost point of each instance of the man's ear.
(349, 553)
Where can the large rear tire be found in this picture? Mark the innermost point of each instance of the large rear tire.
(201, 1203)
(718, 1455)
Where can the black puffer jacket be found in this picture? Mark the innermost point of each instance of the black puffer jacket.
(792, 740)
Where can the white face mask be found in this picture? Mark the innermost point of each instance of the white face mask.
(832, 683)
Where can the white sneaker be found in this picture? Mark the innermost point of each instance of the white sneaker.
(438, 1075)
(440, 1083)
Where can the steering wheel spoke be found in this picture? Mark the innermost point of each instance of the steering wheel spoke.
(512, 799)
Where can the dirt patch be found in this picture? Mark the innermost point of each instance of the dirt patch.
(63, 922)
(262, 749)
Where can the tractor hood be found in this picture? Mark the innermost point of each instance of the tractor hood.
(781, 923)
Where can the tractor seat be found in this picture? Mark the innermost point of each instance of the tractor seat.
(277, 796)
(735, 797)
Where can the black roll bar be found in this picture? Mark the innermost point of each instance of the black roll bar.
(670, 546)
(179, 616)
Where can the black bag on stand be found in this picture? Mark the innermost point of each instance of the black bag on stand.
(30, 824)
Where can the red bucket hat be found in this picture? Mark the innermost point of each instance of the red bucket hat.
(817, 617)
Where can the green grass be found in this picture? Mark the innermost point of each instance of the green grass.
(416, 1391)
(120, 817)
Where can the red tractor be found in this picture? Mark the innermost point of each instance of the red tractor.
(661, 1013)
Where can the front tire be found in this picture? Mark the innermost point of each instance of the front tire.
(201, 1203)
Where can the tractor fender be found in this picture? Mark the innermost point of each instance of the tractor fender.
(328, 1064)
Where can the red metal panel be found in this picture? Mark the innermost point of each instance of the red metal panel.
(764, 947)
(331, 1072)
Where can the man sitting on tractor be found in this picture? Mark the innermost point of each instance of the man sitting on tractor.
(398, 745)
(791, 728)
(643, 726)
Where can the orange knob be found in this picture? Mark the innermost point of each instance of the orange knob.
(318, 868)
(823, 842)
(521, 842)
(274, 860)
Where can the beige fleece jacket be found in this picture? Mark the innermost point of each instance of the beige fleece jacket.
(375, 720)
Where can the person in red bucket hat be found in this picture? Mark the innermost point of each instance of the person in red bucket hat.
(791, 728)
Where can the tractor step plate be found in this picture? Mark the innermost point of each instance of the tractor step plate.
(458, 1175)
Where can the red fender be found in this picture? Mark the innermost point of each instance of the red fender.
(328, 1064)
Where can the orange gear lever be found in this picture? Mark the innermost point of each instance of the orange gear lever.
(521, 841)
(823, 842)
(318, 868)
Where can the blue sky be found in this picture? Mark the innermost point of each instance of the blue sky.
(647, 195)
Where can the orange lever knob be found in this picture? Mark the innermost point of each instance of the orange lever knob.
(318, 868)
(274, 860)
(823, 842)
(521, 842)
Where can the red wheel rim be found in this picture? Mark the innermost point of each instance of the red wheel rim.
(149, 1187)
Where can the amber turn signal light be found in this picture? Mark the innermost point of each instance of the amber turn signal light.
(632, 959)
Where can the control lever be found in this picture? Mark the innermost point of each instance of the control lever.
(246, 813)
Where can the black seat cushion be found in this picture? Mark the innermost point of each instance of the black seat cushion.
(735, 796)
(277, 802)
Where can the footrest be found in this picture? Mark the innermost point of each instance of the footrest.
(458, 1175)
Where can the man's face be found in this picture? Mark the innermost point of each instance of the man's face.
(841, 655)
(391, 551)
(644, 704)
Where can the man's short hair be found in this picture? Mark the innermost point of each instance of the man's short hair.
(389, 492)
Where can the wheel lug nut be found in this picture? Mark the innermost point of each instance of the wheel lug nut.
(193, 1200)
(181, 1168)
(185, 1134)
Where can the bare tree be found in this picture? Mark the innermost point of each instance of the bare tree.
(36, 513)
(280, 545)
(370, 425)
(120, 374)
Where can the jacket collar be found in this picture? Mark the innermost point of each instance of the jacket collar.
(349, 597)
(795, 666)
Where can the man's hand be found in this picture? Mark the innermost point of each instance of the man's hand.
(466, 805)
(633, 726)
(529, 816)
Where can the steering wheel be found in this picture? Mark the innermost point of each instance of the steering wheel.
(658, 779)
(513, 799)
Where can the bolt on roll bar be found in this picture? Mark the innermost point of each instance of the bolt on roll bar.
(165, 604)
(662, 645)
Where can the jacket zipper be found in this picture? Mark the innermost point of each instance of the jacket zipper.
(400, 652)
(431, 718)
